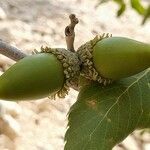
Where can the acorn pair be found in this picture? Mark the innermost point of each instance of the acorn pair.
(53, 71)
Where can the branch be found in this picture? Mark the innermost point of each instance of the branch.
(16, 54)
(11, 52)
(69, 32)
(122, 146)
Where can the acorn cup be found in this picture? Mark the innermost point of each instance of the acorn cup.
(48, 73)
(54, 70)
(106, 58)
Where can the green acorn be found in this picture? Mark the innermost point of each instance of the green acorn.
(107, 58)
(41, 75)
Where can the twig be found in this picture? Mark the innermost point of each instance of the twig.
(11, 52)
(16, 54)
(69, 32)
(138, 141)
(122, 146)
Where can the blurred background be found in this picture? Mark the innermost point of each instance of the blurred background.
(29, 24)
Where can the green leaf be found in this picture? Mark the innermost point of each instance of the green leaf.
(103, 1)
(121, 3)
(122, 7)
(104, 116)
(147, 15)
(121, 10)
(136, 4)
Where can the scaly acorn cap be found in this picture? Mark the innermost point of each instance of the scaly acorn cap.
(71, 67)
(86, 57)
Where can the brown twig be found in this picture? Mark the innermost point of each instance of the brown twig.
(16, 54)
(121, 145)
(138, 141)
(69, 32)
(11, 52)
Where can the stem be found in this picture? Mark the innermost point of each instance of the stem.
(11, 52)
(16, 54)
(69, 32)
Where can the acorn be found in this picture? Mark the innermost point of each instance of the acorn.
(106, 58)
(47, 73)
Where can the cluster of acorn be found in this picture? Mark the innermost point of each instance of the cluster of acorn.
(53, 71)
